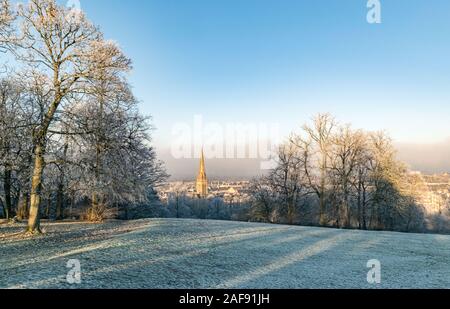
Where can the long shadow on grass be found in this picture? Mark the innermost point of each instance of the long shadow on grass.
(200, 247)
(211, 263)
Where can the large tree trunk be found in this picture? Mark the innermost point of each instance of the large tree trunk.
(35, 196)
(96, 211)
(34, 226)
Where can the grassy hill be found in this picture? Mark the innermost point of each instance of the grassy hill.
(171, 253)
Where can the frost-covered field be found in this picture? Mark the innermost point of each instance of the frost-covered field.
(169, 253)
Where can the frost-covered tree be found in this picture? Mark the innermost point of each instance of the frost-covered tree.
(178, 203)
(348, 146)
(69, 51)
(6, 20)
(16, 122)
(315, 144)
(10, 99)
(218, 210)
(264, 202)
(107, 150)
(346, 178)
(288, 180)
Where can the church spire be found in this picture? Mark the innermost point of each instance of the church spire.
(202, 163)
(202, 182)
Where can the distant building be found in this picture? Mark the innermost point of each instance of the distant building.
(201, 184)
(233, 192)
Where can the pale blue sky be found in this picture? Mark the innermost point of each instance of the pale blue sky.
(284, 61)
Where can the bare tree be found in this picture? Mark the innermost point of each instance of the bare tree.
(315, 145)
(68, 51)
(263, 204)
(116, 163)
(15, 139)
(287, 179)
(348, 146)
(352, 176)
(386, 174)
(361, 182)
(6, 20)
(9, 101)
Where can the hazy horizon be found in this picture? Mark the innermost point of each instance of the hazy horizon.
(426, 158)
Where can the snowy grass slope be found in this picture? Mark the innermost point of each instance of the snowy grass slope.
(171, 253)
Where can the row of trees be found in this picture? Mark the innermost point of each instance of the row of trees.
(179, 205)
(328, 174)
(71, 132)
(333, 175)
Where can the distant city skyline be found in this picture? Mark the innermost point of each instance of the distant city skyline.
(426, 159)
